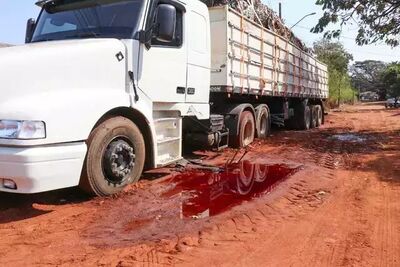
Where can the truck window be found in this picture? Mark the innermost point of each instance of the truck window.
(102, 19)
(178, 39)
(51, 27)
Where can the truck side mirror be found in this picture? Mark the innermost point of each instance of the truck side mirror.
(165, 23)
(30, 28)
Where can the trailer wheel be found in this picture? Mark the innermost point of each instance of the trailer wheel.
(304, 116)
(115, 157)
(263, 120)
(246, 130)
(319, 115)
(314, 116)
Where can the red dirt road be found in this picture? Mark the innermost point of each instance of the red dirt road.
(341, 207)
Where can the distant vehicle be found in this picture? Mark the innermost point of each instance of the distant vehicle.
(392, 103)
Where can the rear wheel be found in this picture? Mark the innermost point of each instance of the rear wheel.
(303, 116)
(115, 157)
(246, 130)
(314, 116)
(263, 120)
(320, 115)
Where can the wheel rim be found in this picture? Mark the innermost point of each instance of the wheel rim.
(118, 160)
(248, 133)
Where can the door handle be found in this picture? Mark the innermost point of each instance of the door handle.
(191, 91)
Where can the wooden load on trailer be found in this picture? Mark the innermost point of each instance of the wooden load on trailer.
(249, 59)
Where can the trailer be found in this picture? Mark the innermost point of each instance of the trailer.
(256, 70)
(115, 87)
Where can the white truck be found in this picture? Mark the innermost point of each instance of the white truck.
(104, 89)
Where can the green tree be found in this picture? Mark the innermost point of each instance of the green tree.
(367, 76)
(333, 54)
(392, 79)
(338, 60)
(378, 20)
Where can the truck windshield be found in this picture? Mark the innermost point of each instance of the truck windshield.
(88, 19)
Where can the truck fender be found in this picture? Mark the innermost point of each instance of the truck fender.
(144, 125)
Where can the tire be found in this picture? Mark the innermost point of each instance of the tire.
(263, 122)
(314, 117)
(303, 116)
(247, 130)
(115, 157)
(320, 115)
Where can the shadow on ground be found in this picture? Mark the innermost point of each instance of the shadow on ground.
(16, 207)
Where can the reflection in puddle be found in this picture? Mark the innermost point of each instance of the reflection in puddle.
(206, 193)
(349, 137)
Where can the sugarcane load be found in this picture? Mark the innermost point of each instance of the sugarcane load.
(260, 13)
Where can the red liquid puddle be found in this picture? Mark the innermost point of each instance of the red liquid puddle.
(207, 193)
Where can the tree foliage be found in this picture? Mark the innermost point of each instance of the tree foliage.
(378, 20)
(367, 76)
(333, 54)
(338, 60)
(391, 78)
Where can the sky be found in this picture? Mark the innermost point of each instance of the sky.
(14, 14)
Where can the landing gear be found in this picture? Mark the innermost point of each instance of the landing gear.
(115, 157)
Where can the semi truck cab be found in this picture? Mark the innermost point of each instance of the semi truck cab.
(87, 62)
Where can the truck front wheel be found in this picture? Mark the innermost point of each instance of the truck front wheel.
(115, 157)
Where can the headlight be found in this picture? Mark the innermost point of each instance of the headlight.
(22, 129)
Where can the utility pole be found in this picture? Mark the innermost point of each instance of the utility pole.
(280, 9)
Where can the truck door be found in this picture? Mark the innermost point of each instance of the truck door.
(162, 74)
(198, 78)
